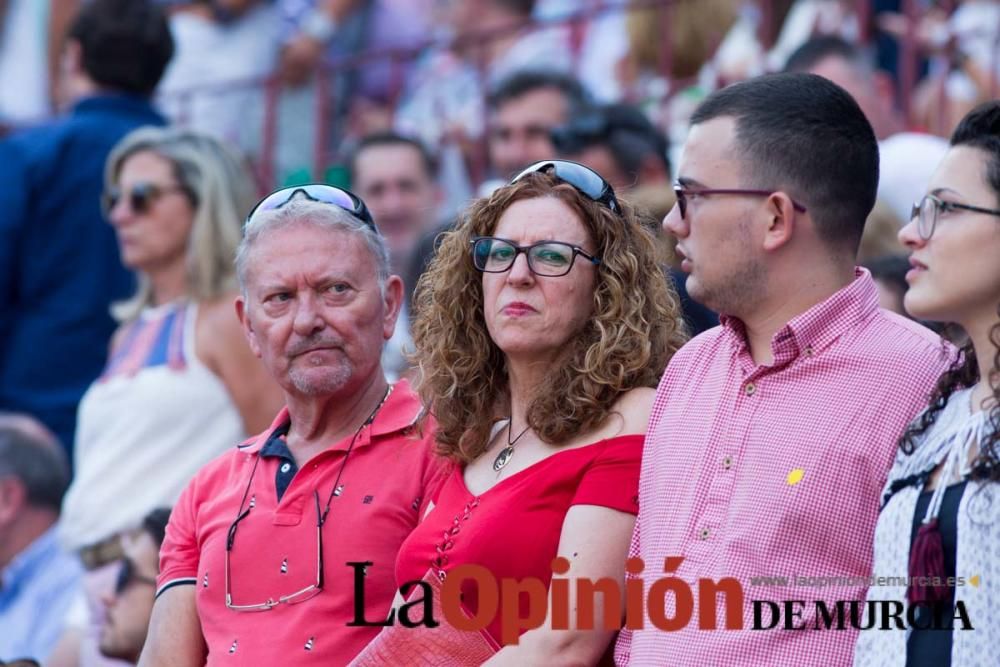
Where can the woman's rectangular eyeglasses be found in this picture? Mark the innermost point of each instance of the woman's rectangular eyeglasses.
(583, 178)
(545, 258)
(683, 193)
(319, 192)
(927, 210)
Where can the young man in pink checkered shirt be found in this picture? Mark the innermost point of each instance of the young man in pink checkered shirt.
(772, 434)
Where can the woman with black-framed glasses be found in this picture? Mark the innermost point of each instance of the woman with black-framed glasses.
(541, 327)
(940, 519)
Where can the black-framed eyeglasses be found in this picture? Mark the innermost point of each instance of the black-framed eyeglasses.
(319, 192)
(583, 178)
(545, 258)
(683, 193)
(927, 210)
(127, 576)
(141, 196)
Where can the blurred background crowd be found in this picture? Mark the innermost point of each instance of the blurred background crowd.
(418, 106)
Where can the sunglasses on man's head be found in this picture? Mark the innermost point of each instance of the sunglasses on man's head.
(127, 576)
(141, 196)
(318, 192)
(584, 179)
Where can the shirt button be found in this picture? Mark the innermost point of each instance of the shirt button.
(750, 389)
(809, 350)
(286, 467)
(704, 533)
(727, 462)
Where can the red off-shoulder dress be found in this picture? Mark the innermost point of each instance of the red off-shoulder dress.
(513, 528)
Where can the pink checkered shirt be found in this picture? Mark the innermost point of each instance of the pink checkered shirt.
(728, 438)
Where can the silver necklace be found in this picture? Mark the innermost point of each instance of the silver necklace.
(507, 453)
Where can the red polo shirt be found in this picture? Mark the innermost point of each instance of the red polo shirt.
(389, 478)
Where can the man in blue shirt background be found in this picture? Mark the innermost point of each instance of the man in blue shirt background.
(38, 580)
(59, 263)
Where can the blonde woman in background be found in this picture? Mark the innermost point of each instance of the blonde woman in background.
(181, 384)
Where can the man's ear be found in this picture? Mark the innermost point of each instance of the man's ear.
(781, 220)
(243, 314)
(393, 302)
(13, 497)
(71, 56)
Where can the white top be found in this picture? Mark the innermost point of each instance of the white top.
(24, 62)
(976, 553)
(394, 362)
(155, 417)
(213, 82)
(976, 25)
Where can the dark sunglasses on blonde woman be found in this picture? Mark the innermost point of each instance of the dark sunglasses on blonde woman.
(141, 196)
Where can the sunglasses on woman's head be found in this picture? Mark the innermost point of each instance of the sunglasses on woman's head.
(141, 196)
(318, 192)
(586, 181)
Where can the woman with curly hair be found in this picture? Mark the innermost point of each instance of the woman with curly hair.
(940, 521)
(543, 325)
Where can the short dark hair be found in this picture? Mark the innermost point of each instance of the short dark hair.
(623, 129)
(395, 139)
(39, 464)
(155, 523)
(523, 82)
(818, 49)
(806, 135)
(981, 129)
(125, 44)
(520, 7)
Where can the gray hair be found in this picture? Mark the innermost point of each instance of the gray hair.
(305, 211)
(221, 190)
(31, 454)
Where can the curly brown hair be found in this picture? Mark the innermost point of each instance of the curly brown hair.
(635, 328)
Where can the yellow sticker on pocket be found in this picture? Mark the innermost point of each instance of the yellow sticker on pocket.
(795, 476)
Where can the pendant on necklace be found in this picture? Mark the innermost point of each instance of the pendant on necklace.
(503, 458)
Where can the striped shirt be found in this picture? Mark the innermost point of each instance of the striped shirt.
(776, 471)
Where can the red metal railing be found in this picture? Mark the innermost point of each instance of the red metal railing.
(323, 154)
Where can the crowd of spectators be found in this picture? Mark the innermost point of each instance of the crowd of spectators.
(419, 106)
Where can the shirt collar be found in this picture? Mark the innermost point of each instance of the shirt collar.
(115, 102)
(401, 411)
(30, 558)
(815, 329)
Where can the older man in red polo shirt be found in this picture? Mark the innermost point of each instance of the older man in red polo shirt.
(771, 436)
(342, 475)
